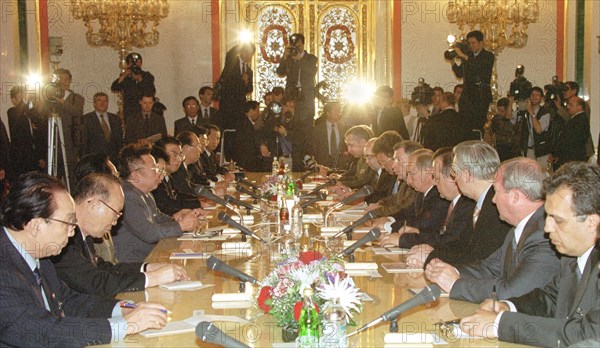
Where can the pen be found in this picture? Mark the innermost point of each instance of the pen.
(133, 305)
(494, 298)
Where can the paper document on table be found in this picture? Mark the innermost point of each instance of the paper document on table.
(400, 267)
(188, 285)
(189, 256)
(189, 324)
(248, 219)
(205, 237)
(389, 251)
(373, 273)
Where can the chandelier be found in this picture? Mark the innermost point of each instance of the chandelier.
(121, 24)
(503, 22)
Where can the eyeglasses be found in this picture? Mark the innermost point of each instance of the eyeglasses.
(71, 225)
(118, 214)
(386, 161)
(157, 170)
(194, 106)
(178, 155)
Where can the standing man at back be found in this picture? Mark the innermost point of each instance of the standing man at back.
(476, 71)
(300, 69)
(102, 131)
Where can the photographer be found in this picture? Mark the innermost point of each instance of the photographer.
(300, 68)
(535, 137)
(570, 90)
(133, 83)
(280, 133)
(476, 71)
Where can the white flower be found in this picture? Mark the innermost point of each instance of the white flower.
(344, 290)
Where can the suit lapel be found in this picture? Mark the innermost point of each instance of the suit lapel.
(509, 259)
(590, 266)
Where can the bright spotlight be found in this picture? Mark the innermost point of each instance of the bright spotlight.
(33, 79)
(359, 92)
(245, 36)
(451, 39)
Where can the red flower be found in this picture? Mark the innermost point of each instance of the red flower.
(274, 198)
(264, 296)
(308, 256)
(298, 309)
(299, 184)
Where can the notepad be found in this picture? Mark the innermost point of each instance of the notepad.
(232, 296)
(330, 231)
(229, 230)
(400, 267)
(184, 285)
(360, 265)
(312, 217)
(189, 256)
(232, 305)
(348, 243)
(389, 251)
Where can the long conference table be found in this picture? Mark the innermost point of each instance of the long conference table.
(387, 291)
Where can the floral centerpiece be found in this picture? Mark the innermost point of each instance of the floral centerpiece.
(269, 188)
(281, 295)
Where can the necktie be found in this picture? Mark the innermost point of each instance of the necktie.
(38, 279)
(395, 189)
(578, 274)
(448, 213)
(476, 216)
(89, 246)
(206, 113)
(105, 128)
(244, 68)
(193, 121)
(333, 149)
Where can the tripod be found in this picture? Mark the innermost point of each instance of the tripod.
(56, 138)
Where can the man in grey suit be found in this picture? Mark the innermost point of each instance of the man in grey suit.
(143, 225)
(567, 309)
(526, 260)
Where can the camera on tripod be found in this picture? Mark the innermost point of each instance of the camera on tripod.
(54, 91)
(422, 94)
(462, 44)
(520, 87)
(292, 49)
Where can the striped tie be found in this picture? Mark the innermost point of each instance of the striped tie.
(476, 216)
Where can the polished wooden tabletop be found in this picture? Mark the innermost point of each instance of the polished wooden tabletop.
(387, 291)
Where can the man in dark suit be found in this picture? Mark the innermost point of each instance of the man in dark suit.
(191, 105)
(29, 148)
(359, 173)
(145, 124)
(209, 159)
(167, 197)
(382, 152)
(327, 142)
(388, 117)
(526, 260)
(474, 167)
(47, 312)
(424, 222)
(207, 113)
(102, 131)
(446, 128)
(98, 206)
(143, 225)
(246, 141)
(458, 215)
(571, 142)
(300, 71)
(400, 196)
(133, 83)
(566, 310)
(476, 71)
(236, 82)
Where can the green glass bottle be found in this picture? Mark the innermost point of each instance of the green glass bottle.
(308, 323)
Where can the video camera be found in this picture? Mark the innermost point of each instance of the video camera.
(131, 60)
(292, 49)
(422, 94)
(53, 90)
(555, 90)
(462, 44)
(520, 87)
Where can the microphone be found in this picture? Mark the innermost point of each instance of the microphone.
(246, 182)
(239, 203)
(231, 222)
(242, 189)
(319, 197)
(309, 172)
(207, 193)
(210, 333)
(372, 235)
(428, 294)
(363, 192)
(368, 216)
(215, 264)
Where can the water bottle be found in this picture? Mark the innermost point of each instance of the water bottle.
(334, 325)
